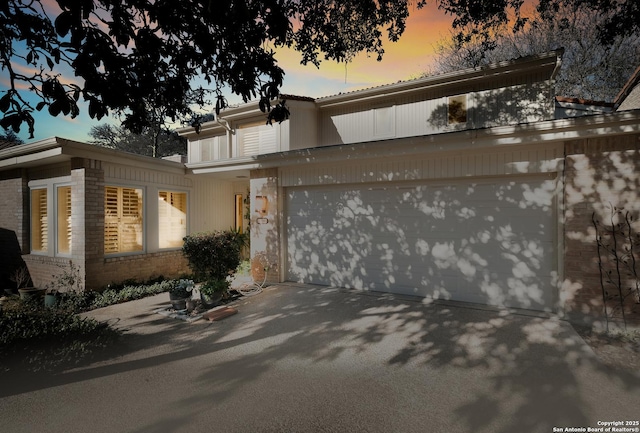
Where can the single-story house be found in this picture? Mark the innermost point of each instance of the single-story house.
(475, 186)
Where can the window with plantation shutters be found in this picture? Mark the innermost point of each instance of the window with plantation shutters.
(64, 219)
(123, 221)
(257, 139)
(214, 148)
(172, 218)
(39, 221)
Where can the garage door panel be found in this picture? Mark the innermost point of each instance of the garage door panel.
(490, 243)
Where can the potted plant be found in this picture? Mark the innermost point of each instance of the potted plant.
(212, 291)
(51, 298)
(22, 279)
(179, 294)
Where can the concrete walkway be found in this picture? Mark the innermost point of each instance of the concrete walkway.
(309, 359)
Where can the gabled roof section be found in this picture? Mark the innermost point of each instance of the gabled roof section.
(547, 63)
(630, 87)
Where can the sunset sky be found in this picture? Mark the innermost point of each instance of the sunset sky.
(403, 60)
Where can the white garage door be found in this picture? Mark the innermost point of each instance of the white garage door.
(486, 242)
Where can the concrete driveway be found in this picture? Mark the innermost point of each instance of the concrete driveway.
(310, 359)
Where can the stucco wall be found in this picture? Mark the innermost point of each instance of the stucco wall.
(265, 225)
(599, 174)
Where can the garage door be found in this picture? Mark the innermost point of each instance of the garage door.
(489, 242)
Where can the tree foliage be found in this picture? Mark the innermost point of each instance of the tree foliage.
(592, 68)
(480, 19)
(124, 56)
(151, 141)
(127, 55)
(8, 136)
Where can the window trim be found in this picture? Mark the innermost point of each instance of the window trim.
(51, 186)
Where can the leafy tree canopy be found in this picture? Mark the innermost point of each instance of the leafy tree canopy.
(127, 55)
(592, 67)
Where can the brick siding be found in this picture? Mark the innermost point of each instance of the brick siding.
(169, 264)
(599, 173)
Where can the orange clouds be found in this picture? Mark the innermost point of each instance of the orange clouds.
(407, 58)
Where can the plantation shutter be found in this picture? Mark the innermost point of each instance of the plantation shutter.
(123, 220)
(44, 220)
(267, 139)
(39, 220)
(172, 212)
(250, 141)
(64, 219)
(111, 244)
(258, 139)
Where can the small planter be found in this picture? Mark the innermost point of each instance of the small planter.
(31, 293)
(178, 303)
(211, 300)
(50, 300)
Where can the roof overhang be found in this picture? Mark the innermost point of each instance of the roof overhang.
(539, 133)
(56, 150)
(547, 63)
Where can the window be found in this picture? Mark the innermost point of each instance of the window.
(39, 221)
(172, 218)
(257, 139)
(64, 219)
(214, 148)
(51, 224)
(123, 220)
(239, 219)
(457, 109)
(384, 122)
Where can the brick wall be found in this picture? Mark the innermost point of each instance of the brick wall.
(599, 174)
(44, 270)
(87, 197)
(169, 264)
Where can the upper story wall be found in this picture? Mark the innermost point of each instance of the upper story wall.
(477, 103)
(244, 132)
(507, 93)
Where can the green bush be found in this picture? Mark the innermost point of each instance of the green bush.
(210, 287)
(37, 338)
(85, 301)
(213, 255)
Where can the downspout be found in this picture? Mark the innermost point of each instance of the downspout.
(225, 125)
(552, 82)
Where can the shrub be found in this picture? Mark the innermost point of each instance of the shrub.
(210, 287)
(37, 338)
(84, 301)
(181, 289)
(213, 255)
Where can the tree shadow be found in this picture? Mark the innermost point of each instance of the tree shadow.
(480, 369)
